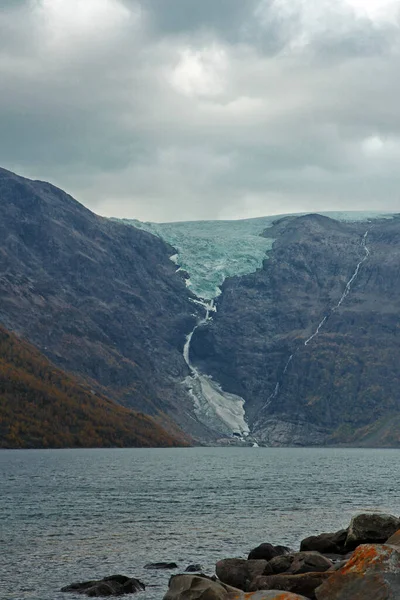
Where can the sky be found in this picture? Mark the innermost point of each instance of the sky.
(166, 110)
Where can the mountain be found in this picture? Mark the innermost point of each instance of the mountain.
(100, 299)
(276, 331)
(41, 407)
(307, 341)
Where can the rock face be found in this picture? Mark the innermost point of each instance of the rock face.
(116, 585)
(238, 572)
(394, 539)
(304, 584)
(373, 573)
(371, 528)
(192, 587)
(326, 543)
(267, 551)
(99, 298)
(324, 276)
(297, 339)
(300, 562)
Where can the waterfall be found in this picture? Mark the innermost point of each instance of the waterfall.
(214, 407)
(346, 292)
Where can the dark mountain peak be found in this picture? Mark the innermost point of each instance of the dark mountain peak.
(99, 298)
(295, 228)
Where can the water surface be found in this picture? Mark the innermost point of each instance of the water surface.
(71, 515)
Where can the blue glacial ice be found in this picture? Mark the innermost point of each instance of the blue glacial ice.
(209, 252)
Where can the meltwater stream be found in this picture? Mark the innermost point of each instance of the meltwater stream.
(321, 324)
(213, 406)
(211, 251)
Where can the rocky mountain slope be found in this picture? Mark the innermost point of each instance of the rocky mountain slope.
(41, 407)
(299, 348)
(98, 298)
(311, 341)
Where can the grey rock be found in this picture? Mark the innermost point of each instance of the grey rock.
(267, 551)
(195, 587)
(192, 587)
(300, 562)
(305, 583)
(371, 528)
(326, 543)
(116, 585)
(372, 573)
(238, 572)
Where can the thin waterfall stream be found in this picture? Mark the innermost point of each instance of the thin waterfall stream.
(346, 292)
(213, 406)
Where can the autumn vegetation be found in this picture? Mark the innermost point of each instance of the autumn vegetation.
(43, 407)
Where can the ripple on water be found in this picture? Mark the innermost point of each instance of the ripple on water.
(70, 515)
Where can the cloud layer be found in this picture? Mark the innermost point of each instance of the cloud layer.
(179, 109)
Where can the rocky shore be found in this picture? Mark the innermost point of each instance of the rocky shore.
(361, 562)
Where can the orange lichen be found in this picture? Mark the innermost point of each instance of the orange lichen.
(367, 556)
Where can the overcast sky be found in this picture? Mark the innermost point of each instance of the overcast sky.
(204, 109)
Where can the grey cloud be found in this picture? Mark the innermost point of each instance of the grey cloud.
(226, 17)
(166, 113)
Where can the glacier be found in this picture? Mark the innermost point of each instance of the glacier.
(209, 252)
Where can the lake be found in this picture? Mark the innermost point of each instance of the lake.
(71, 515)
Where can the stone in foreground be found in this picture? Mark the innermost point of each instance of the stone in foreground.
(116, 585)
(299, 562)
(370, 529)
(326, 543)
(304, 584)
(394, 539)
(372, 573)
(267, 552)
(194, 587)
(239, 573)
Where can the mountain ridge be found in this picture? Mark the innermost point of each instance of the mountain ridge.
(100, 299)
(301, 343)
(43, 407)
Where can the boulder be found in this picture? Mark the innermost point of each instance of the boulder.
(239, 572)
(194, 587)
(372, 573)
(168, 566)
(267, 551)
(308, 562)
(371, 528)
(116, 585)
(268, 595)
(299, 562)
(326, 543)
(394, 539)
(281, 564)
(304, 584)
